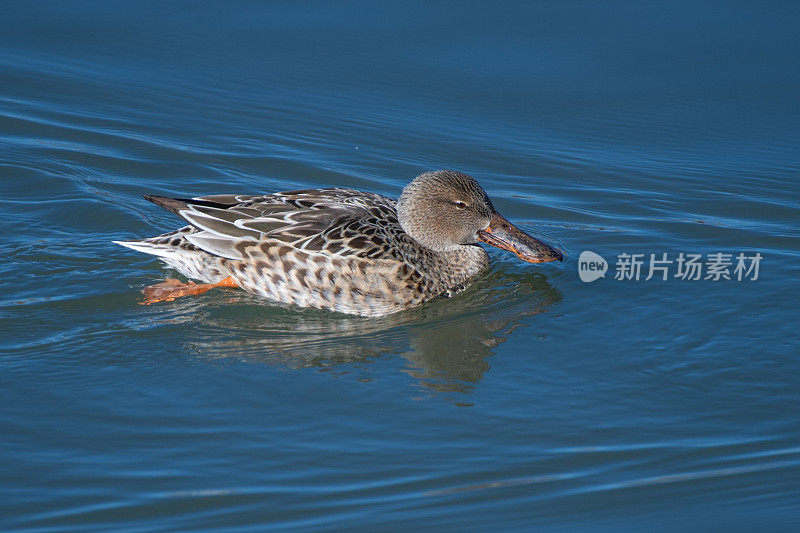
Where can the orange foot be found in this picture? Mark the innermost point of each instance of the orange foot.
(173, 288)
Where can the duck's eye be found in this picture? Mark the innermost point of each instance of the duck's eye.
(460, 205)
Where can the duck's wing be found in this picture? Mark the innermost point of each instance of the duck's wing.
(335, 222)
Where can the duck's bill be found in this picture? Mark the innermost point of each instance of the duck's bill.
(505, 235)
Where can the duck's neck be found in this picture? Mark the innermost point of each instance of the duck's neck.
(453, 268)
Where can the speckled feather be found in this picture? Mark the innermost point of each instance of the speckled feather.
(336, 248)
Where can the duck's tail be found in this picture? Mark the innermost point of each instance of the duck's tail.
(152, 248)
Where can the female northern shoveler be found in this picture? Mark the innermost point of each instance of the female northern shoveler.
(339, 249)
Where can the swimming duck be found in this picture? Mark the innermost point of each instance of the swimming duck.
(340, 249)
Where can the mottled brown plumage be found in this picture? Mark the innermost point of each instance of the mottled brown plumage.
(340, 249)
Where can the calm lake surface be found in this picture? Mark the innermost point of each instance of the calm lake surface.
(533, 400)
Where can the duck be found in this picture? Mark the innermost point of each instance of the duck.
(339, 249)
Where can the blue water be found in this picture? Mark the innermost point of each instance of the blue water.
(531, 401)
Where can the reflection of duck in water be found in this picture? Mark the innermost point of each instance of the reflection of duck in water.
(446, 345)
(339, 249)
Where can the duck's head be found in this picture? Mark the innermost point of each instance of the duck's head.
(445, 209)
